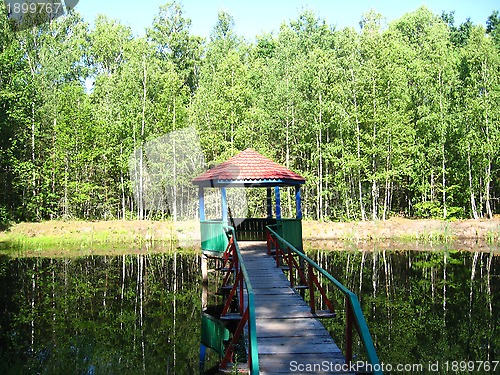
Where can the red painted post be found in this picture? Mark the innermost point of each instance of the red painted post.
(323, 294)
(241, 292)
(268, 238)
(235, 264)
(278, 253)
(349, 320)
(227, 304)
(310, 278)
(290, 267)
(230, 349)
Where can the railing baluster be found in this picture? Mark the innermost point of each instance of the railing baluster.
(348, 330)
(354, 315)
(291, 271)
(278, 254)
(310, 276)
(323, 294)
(230, 349)
(241, 281)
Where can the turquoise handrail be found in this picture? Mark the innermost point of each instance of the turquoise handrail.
(352, 300)
(252, 328)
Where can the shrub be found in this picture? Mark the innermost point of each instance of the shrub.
(4, 218)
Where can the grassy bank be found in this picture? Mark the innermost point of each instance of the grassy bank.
(99, 237)
(129, 236)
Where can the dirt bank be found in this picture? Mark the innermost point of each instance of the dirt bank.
(399, 228)
(404, 234)
(394, 228)
(463, 234)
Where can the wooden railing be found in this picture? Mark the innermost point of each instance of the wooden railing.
(237, 276)
(252, 229)
(287, 259)
(287, 254)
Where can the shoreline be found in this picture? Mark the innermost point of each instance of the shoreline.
(135, 235)
(405, 229)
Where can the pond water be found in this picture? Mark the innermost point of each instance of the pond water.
(130, 314)
(438, 309)
(140, 313)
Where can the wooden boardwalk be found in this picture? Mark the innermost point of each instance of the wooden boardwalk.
(288, 335)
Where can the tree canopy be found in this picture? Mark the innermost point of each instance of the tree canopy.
(399, 118)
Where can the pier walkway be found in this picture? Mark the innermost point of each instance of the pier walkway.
(290, 338)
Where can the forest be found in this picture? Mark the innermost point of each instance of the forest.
(399, 118)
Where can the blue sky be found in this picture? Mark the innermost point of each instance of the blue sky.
(256, 16)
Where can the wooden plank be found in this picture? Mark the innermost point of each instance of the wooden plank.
(263, 286)
(280, 298)
(289, 364)
(293, 313)
(298, 344)
(275, 291)
(283, 325)
(286, 329)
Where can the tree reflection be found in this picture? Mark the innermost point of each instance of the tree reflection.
(423, 306)
(100, 314)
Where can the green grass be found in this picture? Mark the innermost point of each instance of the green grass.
(442, 235)
(493, 236)
(50, 248)
(63, 239)
(75, 239)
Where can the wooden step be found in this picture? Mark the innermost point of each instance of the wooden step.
(324, 314)
(224, 269)
(231, 316)
(286, 329)
(301, 287)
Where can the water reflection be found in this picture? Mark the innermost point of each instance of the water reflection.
(423, 307)
(139, 313)
(124, 314)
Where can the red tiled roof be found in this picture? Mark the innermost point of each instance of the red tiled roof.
(249, 165)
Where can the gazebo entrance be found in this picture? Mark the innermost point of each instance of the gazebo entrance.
(249, 169)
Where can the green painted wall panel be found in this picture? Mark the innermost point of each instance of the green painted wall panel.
(291, 230)
(213, 237)
(213, 333)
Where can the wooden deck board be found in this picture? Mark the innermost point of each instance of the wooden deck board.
(286, 329)
(274, 364)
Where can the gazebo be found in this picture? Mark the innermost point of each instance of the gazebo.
(249, 169)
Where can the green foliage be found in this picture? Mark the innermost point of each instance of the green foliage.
(170, 34)
(428, 210)
(399, 118)
(4, 218)
(493, 27)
